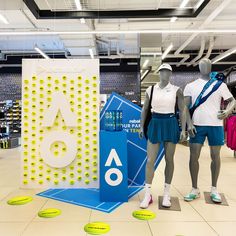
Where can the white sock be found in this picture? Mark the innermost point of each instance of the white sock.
(147, 189)
(167, 189)
(213, 189)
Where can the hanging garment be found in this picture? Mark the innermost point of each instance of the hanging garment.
(231, 132)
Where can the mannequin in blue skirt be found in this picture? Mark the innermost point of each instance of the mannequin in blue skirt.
(163, 128)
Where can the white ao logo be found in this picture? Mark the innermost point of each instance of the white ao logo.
(59, 102)
(119, 176)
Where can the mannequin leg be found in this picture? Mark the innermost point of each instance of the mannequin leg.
(195, 150)
(215, 164)
(169, 170)
(169, 158)
(152, 150)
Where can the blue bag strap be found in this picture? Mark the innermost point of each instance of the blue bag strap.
(219, 77)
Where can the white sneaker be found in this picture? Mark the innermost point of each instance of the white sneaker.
(146, 201)
(194, 194)
(166, 201)
(215, 196)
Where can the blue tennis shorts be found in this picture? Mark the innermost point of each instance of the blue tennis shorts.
(214, 134)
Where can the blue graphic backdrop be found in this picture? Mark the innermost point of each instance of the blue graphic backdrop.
(137, 154)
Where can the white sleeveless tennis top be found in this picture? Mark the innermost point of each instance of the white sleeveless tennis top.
(163, 100)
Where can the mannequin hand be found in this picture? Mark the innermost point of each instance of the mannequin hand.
(141, 133)
(222, 114)
(192, 130)
(183, 136)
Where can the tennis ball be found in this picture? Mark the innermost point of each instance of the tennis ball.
(49, 213)
(144, 215)
(20, 200)
(72, 182)
(87, 181)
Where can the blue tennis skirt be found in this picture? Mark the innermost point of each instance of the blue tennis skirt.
(163, 128)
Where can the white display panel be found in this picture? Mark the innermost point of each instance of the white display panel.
(60, 123)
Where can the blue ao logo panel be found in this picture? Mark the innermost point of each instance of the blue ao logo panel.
(136, 147)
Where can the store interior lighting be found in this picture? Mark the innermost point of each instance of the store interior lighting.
(91, 53)
(41, 53)
(4, 19)
(145, 63)
(173, 19)
(183, 3)
(224, 55)
(166, 52)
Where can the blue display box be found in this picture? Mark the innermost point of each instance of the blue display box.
(113, 166)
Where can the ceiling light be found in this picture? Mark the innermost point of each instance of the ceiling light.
(4, 19)
(184, 3)
(78, 5)
(144, 74)
(91, 53)
(173, 19)
(145, 63)
(161, 31)
(199, 4)
(82, 21)
(224, 55)
(151, 53)
(42, 53)
(167, 51)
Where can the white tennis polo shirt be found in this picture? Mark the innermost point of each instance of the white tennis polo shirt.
(163, 99)
(206, 113)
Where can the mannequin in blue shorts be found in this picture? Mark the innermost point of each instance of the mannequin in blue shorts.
(206, 122)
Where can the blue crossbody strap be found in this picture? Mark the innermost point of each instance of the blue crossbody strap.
(219, 77)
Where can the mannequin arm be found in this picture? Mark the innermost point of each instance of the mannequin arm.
(183, 109)
(144, 115)
(231, 105)
(191, 129)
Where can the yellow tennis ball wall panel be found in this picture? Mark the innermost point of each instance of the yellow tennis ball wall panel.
(82, 96)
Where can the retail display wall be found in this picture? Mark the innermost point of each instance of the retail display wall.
(10, 86)
(60, 123)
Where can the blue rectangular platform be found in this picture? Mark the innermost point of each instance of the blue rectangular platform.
(89, 198)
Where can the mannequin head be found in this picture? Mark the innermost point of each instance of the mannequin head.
(165, 75)
(205, 67)
(165, 71)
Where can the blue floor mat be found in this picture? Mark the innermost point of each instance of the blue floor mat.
(89, 198)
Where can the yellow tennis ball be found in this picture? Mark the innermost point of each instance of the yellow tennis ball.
(87, 181)
(56, 182)
(95, 178)
(63, 178)
(72, 182)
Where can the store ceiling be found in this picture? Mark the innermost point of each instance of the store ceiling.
(114, 45)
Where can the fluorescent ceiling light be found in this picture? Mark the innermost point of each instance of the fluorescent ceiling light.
(145, 63)
(82, 21)
(151, 53)
(78, 5)
(224, 55)
(144, 74)
(109, 64)
(91, 53)
(199, 4)
(179, 31)
(173, 19)
(167, 51)
(42, 53)
(184, 3)
(4, 19)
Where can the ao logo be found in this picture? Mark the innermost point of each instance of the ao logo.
(59, 102)
(119, 176)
